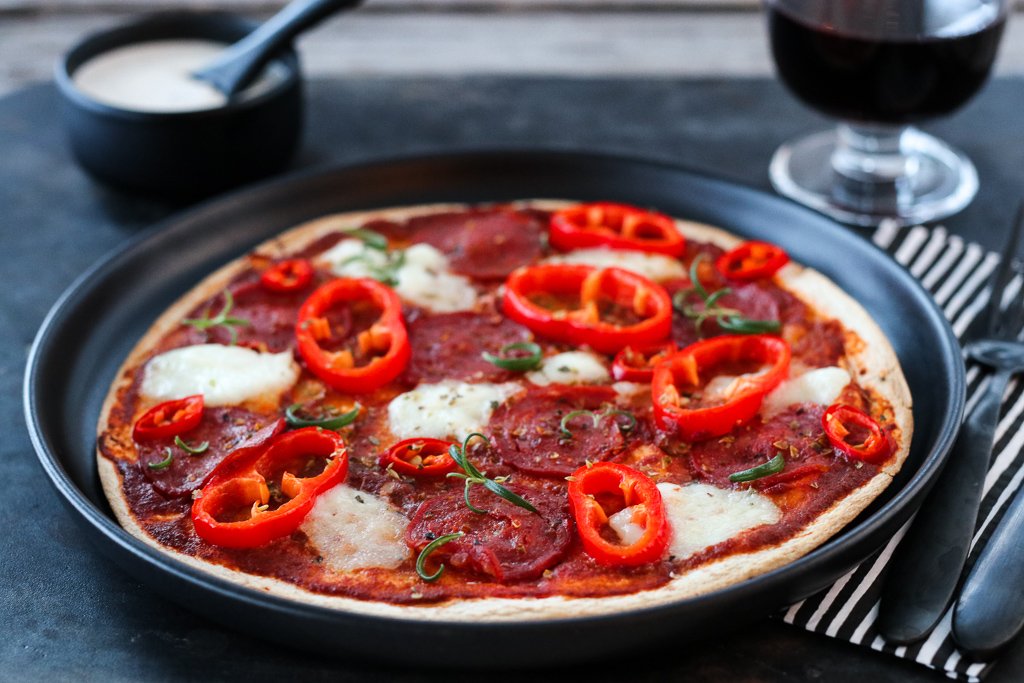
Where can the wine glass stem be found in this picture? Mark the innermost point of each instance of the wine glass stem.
(872, 154)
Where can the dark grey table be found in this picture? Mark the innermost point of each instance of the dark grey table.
(67, 613)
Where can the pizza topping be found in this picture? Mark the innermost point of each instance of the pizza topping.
(855, 433)
(471, 475)
(604, 224)
(251, 501)
(290, 275)
(419, 274)
(331, 420)
(605, 490)
(353, 529)
(169, 418)
(751, 261)
(486, 245)
(427, 458)
(451, 346)
(421, 559)
(773, 466)
(637, 365)
(163, 464)
(222, 319)
(224, 375)
(446, 409)
(710, 308)
(528, 431)
(702, 515)
(517, 356)
(604, 309)
(508, 543)
(654, 267)
(351, 334)
(198, 449)
(571, 367)
(626, 420)
(753, 366)
(819, 385)
(370, 238)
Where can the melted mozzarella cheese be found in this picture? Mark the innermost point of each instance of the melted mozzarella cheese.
(224, 375)
(702, 515)
(352, 529)
(622, 524)
(724, 387)
(446, 409)
(572, 367)
(656, 267)
(421, 273)
(820, 385)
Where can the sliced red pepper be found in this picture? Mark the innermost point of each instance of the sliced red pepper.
(751, 261)
(426, 458)
(600, 490)
(169, 418)
(844, 423)
(637, 365)
(290, 275)
(679, 383)
(372, 358)
(577, 304)
(253, 500)
(618, 226)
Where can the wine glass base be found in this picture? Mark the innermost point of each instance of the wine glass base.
(939, 182)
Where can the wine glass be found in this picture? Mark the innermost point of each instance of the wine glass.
(878, 66)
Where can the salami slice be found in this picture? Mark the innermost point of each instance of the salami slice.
(487, 245)
(508, 543)
(449, 346)
(225, 430)
(528, 432)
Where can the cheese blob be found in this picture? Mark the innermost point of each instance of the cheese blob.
(572, 367)
(448, 409)
(352, 529)
(656, 267)
(702, 515)
(224, 375)
(421, 273)
(820, 385)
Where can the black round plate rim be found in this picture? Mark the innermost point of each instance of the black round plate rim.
(88, 512)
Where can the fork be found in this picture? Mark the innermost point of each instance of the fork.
(927, 564)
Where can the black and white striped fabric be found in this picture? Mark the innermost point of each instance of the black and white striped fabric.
(956, 273)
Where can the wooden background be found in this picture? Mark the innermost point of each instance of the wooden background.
(576, 38)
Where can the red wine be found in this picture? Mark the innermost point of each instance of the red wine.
(858, 62)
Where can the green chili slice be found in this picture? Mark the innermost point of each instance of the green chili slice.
(333, 422)
(773, 466)
(191, 450)
(165, 463)
(421, 560)
(519, 362)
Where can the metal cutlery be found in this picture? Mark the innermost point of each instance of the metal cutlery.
(926, 567)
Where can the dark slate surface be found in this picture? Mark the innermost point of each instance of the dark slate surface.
(70, 614)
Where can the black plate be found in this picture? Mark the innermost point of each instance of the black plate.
(101, 316)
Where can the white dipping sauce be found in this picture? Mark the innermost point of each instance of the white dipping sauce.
(155, 76)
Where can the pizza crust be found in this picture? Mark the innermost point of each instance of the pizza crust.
(873, 362)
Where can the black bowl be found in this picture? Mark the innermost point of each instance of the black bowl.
(97, 321)
(181, 155)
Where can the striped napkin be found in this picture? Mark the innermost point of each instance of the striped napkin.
(956, 273)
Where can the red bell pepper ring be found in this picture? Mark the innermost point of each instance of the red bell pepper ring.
(427, 458)
(637, 365)
(751, 261)
(600, 294)
(169, 418)
(618, 226)
(378, 354)
(252, 501)
(678, 386)
(290, 275)
(622, 487)
(843, 423)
